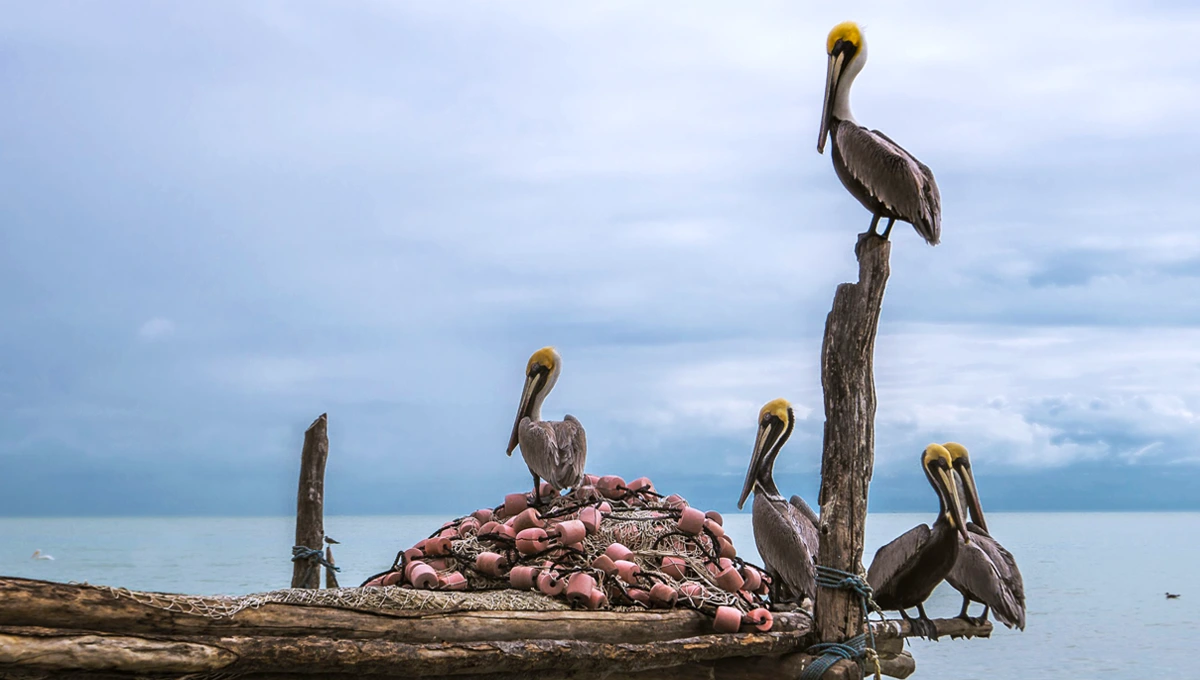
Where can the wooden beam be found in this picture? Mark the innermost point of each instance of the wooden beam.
(310, 502)
(848, 381)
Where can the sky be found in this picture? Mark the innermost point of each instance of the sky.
(219, 220)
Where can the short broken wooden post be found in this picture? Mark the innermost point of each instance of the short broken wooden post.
(847, 378)
(330, 575)
(310, 503)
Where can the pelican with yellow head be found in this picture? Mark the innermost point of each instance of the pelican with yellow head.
(905, 571)
(785, 531)
(554, 450)
(887, 180)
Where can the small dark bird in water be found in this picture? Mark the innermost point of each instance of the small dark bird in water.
(1172, 596)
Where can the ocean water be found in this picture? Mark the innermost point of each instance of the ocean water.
(1094, 582)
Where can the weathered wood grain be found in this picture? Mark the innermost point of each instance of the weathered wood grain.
(310, 502)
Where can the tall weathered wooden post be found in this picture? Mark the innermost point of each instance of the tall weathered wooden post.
(310, 503)
(848, 380)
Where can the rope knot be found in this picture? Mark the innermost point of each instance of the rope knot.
(302, 552)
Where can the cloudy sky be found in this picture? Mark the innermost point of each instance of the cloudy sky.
(219, 220)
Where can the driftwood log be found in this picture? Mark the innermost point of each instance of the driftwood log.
(848, 381)
(310, 502)
(89, 632)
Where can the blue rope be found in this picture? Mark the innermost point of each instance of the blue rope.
(301, 552)
(857, 646)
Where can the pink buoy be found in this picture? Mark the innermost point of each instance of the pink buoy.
(547, 490)
(374, 583)
(423, 576)
(694, 593)
(468, 528)
(523, 578)
(628, 571)
(715, 516)
(641, 484)
(437, 546)
(617, 552)
(724, 563)
(727, 549)
(638, 595)
(483, 515)
(730, 580)
(760, 618)
(712, 569)
(550, 584)
(452, 581)
(532, 540)
(676, 501)
(528, 519)
(449, 534)
(662, 595)
(586, 493)
(491, 563)
(392, 578)
(438, 563)
(611, 486)
(691, 521)
(579, 588)
(515, 503)
(675, 567)
(419, 545)
(751, 577)
(590, 480)
(413, 554)
(591, 518)
(605, 564)
(506, 530)
(488, 527)
(597, 599)
(604, 507)
(714, 528)
(727, 620)
(570, 531)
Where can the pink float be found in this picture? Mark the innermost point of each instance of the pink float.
(438, 563)
(597, 599)
(605, 564)
(514, 503)
(611, 486)
(676, 501)
(527, 519)
(392, 579)
(727, 549)
(715, 516)
(604, 507)
(570, 531)
(638, 595)
(483, 515)
(727, 620)
(587, 493)
(452, 581)
(579, 588)
(617, 552)
(523, 578)
(449, 534)
(730, 580)
(751, 577)
(628, 571)
(532, 540)
(489, 527)
(469, 527)
(692, 592)
(413, 554)
(662, 595)
(591, 518)
(714, 528)
(374, 583)
(423, 576)
(724, 563)
(437, 546)
(491, 563)
(675, 567)
(760, 618)
(550, 584)
(691, 521)
(590, 480)
(547, 490)
(641, 484)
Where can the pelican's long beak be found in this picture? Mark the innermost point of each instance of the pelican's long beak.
(832, 76)
(766, 439)
(533, 384)
(945, 480)
(972, 496)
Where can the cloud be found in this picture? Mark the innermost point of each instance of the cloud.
(157, 328)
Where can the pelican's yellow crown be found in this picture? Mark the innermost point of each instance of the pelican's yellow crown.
(956, 450)
(776, 407)
(935, 451)
(543, 357)
(848, 31)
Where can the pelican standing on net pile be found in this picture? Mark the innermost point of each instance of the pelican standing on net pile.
(905, 571)
(785, 532)
(984, 572)
(554, 450)
(889, 181)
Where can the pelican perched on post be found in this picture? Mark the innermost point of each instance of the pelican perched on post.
(984, 572)
(554, 450)
(785, 532)
(889, 181)
(905, 571)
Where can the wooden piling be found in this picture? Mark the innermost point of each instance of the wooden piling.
(330, 575)
(847, 378)
(310, 502)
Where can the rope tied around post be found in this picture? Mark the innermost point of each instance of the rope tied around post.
(856, 647)
(315, 556)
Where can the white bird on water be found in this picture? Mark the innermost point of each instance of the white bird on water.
(39, 555)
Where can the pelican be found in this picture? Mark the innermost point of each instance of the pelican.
(905, 571)
(554, 450)
(784, 531)
(984, 571)
(889, 181)
(39, 555)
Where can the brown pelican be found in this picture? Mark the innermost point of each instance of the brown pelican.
(884, 177)
(984, 571)
(554, 450)
(905, 571)
(784, 531)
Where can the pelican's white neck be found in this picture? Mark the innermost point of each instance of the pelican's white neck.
(535, 411)
(841, 98)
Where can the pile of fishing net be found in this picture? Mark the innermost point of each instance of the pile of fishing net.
(604, 545)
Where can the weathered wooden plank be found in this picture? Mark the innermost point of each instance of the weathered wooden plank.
(847, 378)
(310, 502)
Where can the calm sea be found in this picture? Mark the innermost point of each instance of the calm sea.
(1094, 583)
